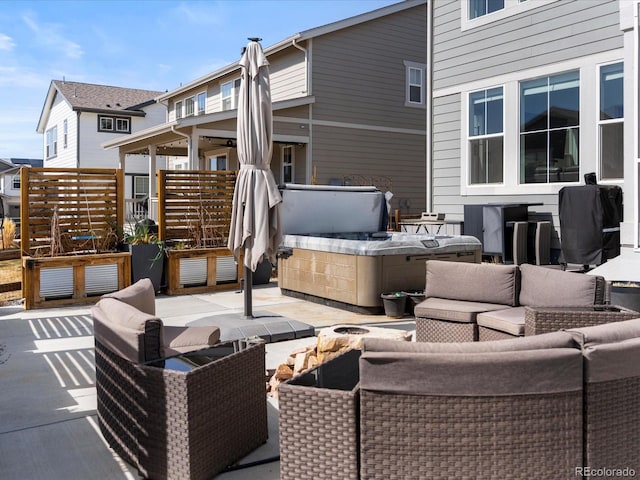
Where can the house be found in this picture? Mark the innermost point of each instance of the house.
(78, 117)
(528, 97)
(10, 184)
(349, 105)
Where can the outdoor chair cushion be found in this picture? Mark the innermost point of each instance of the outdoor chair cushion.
(453, 310)
(140, 295)
(485, 283)
(188, 339)
(606, 333)
(545, 287)
(509, 320)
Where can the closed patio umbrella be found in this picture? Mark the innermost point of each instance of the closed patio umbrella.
(255, 221)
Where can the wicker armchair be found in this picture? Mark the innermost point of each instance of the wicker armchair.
(187, 416)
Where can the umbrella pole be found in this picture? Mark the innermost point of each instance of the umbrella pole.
(248, 286)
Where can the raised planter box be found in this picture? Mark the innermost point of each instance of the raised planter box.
(197, 270)
(73, 279)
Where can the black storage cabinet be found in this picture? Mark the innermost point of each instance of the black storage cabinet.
(590, 217)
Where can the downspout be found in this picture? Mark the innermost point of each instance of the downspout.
(636, 118)
(307, 82)
(428, 104)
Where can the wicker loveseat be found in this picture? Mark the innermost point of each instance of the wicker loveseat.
(468, 302)
(173, 416)
(554, 405)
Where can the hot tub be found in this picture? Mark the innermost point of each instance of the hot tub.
(335, 249)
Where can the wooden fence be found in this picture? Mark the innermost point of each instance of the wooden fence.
(69, 210)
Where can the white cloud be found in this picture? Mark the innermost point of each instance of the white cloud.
(22, 78)
(6, 42)
(203, 13)
(48, 35)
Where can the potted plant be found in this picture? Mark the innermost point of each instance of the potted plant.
(394, 304)
(147, 253)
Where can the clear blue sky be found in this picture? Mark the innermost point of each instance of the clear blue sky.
(149, 44)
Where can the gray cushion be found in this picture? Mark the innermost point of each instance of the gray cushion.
(473, 374)
(509, 320)
(546, 287)
(612, 361)
(187, 339)
(473, 282)
(534, 342)
(606, 333)
(453, 310)
(140, 295)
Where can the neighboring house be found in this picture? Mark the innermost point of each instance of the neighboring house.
(528, 97)
(349, 105)
(10, 184)
(77, 118)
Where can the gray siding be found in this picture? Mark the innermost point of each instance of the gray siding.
(551, 33)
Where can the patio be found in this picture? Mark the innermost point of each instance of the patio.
(48, 425)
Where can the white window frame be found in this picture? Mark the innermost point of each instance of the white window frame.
(178, 109)
(511, 7)
(51, 146)
(65, 133)
(140, 181)
(233, 94)
(291, 163)
(106, 123)
(409, 66)
(15, 182)
(189, 106)
(217, 157)
(201, 103)
(600, 123)
(469, 137)
(122, 125)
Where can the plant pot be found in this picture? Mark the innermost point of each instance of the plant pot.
(147, 261)
(626, 296)
(395, 304)
(262, 275)
(414, 298)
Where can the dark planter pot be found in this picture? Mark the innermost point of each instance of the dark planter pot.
(147, 261)
(414, 297)
(394, 303)
(628, 297)
(262, 275)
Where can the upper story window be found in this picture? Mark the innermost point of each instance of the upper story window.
(486, 136)
(189, 106)
(114, 124)
(15, 182)
(415, 84)
(202, 103)
(229, 94)
(52, 142)
(550, 129)
(479, 8)
(611, 122)
(178, 109)
(65, 133)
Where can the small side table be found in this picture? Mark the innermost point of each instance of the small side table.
(551, 319)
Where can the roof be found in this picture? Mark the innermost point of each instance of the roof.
(88, 97)
(34, 162)
(304, 35)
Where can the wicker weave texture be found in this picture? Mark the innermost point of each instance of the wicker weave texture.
(545, 320)
(612, 416)
(318, 433)
(431, 437)
(184, 425)
(439, 331)
(487, 334)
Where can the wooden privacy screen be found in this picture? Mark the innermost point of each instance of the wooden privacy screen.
(194, 207)
(70, 210)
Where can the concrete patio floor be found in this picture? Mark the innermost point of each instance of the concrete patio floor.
(48, 424)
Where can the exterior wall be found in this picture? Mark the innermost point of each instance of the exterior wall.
(66, 157)
(361, 125)
(545, 38)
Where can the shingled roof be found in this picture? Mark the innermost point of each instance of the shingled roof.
(90, 97)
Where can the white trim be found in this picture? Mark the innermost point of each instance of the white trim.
(374, 128)
(408, 66)
(600, 123)
(292, 163)
(511, 7)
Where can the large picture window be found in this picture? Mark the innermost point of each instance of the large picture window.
(550, 129)
(611, 122)
(486, 136)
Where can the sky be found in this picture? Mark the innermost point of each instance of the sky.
(147, 44)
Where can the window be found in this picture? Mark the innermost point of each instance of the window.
(611, 122)
(114, 124)
(550, 129)
(52, 142)
(229, 94)
(218, 162)
(189, 105)
(65, 132)
(415, 83)
(179, 109)
(486, 136)
(287, 164)
(202, 103)
(479, 8)
(140, 186)
(15, 182)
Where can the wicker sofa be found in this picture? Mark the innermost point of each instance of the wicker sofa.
(166, 411)
(546, 406)
(470, 302)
